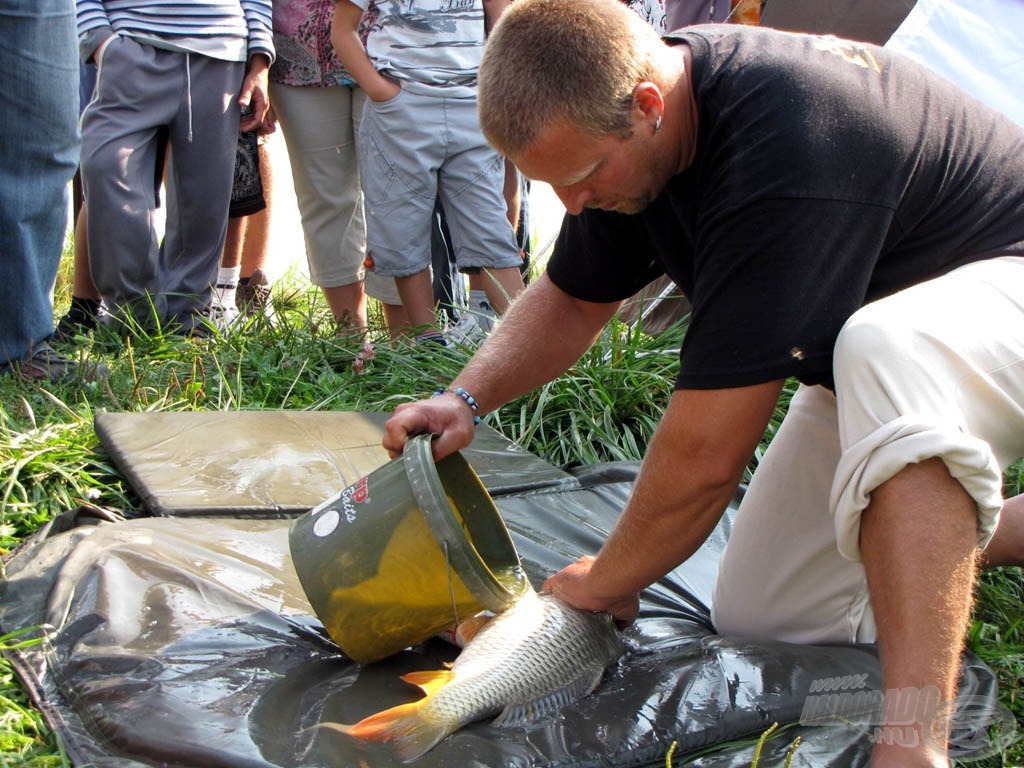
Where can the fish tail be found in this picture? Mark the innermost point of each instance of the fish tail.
(409, 729)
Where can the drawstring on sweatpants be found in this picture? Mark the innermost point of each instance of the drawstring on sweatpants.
(188, 92)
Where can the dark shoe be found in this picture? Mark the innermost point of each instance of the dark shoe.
(46, 364)
(253, 295)
(81, 320)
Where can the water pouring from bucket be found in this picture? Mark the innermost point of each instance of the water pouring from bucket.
(409, 550)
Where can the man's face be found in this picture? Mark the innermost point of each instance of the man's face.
(612, 173)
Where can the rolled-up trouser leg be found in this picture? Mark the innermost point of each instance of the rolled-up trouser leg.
(933, 371)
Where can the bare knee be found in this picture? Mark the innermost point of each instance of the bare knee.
(1007, 544)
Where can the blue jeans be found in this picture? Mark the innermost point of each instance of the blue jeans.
(39, 145)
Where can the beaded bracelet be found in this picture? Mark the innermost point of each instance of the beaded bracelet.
(465, 396)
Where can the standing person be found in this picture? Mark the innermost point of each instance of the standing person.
(39, 146)
(242, 287)
(186, 68)
(836, 213)
(319, 105)
(420, 136)
(83, 314)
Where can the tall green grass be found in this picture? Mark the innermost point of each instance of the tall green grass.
(604, 409)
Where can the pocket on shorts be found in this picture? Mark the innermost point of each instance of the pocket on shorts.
(387, 102)
(377, 174)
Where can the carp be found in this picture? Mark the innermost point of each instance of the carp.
(527, 662)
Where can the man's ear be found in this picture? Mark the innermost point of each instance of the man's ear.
(649, 101)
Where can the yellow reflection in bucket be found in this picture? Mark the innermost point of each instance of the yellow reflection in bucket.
(413, 594)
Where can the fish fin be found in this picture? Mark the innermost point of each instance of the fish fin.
(429, 681)
(404, 727)
(468, 629)
(339, 727)
(525, 713)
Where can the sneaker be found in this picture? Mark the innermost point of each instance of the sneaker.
(46, 364)
(81, 320)
(473, 326)
(253, 295)
(432, 338)
(220, 318)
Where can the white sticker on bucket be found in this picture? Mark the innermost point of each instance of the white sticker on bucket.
(326, 523)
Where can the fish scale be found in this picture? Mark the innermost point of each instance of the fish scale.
(534, 658)
(497, 687)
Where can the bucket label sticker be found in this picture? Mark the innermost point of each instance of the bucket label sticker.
(343, 505)
(360, 492)
(326, 523)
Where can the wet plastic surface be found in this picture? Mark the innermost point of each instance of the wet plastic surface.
(277, 463)
(189, 642)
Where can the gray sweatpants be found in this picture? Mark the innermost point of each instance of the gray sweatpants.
(140, 91)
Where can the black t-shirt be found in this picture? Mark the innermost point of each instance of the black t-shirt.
(828, 174)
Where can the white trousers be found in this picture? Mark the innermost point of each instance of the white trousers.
(936, 370)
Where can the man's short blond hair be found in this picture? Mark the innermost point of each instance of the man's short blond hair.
(548, 60)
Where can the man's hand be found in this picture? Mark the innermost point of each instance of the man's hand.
(573, 585)
(269, 123)
(447, 416)
(255, 93)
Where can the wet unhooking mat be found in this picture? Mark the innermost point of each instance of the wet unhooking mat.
(183, 638)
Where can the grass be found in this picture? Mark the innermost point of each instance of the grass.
(604, 409)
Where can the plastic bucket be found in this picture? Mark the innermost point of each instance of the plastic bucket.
(404, 553)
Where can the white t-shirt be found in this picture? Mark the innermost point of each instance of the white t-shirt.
(431, 47)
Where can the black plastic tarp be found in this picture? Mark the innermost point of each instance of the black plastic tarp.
(187, 641)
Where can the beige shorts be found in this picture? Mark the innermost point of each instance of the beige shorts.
(936, 370)
(319, 127)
